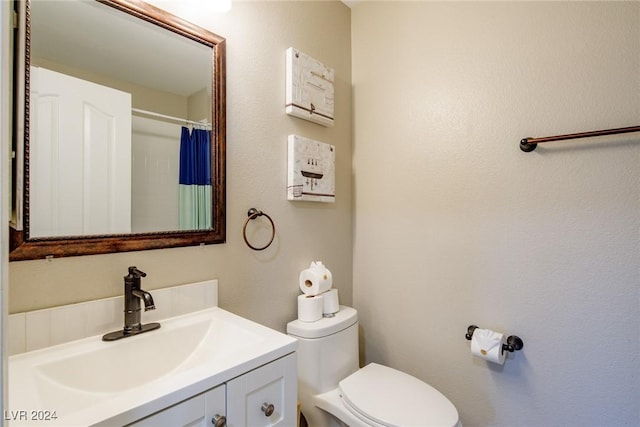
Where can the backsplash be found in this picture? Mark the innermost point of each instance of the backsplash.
(43, 328)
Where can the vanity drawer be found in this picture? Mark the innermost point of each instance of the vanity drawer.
(266, 396)
(195, 412)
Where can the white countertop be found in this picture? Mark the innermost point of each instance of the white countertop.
(211, 347)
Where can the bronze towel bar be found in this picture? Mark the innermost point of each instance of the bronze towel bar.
(530, 144)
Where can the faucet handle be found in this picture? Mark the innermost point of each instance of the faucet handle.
(134, 272)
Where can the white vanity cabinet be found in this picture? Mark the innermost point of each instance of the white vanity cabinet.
(198, 411)
(265, 396)
(196, 366)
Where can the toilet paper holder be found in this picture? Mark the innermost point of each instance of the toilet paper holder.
(514, 343)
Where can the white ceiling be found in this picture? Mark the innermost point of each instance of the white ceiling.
(95, 37)
(351, 3)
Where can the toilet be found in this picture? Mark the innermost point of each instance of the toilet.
(334, 392)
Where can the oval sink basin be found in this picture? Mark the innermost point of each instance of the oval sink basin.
(89, 382)
(133, 361)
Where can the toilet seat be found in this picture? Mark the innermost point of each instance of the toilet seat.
(384, 396)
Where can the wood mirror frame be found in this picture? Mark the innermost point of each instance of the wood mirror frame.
(22, 247)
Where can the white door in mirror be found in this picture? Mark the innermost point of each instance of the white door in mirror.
(75, 126)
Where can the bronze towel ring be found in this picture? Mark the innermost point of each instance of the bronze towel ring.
(253, 214)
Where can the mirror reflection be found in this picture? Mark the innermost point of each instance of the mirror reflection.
(124, 129)
(113, 100)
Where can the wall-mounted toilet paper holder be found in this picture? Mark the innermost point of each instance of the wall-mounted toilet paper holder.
(514, 343)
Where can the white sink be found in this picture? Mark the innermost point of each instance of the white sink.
(87, 382)
(136, 360)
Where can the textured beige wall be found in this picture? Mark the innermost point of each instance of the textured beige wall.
(141, 96)
(454, 225)
(262, 286)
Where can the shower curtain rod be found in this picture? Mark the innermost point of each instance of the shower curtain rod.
(530, 144)
(163, 116)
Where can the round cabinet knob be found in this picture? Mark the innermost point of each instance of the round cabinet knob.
(219, 420)
(268, 409)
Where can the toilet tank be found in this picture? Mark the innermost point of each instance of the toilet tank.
(327, 350)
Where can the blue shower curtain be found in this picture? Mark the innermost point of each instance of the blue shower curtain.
(195, 179)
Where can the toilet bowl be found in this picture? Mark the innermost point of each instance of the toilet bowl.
(334, 391)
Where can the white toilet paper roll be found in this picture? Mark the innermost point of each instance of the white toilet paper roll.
(316, 279)
(487, 345)
(310, 308)
(330, 302)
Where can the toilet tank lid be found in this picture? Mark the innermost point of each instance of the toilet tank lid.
(344, 318)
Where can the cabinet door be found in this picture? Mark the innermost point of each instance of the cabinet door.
(266, 396)
(199, 411)
(215, 407)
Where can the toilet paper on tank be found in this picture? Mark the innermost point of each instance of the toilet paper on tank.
(487, 345)
(310, 307)
(316, 279)
(330, 303)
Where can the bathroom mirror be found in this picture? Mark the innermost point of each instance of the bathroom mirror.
(116, 100)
